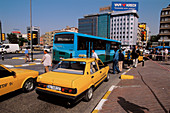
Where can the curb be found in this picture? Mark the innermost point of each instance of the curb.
(23, 65)
(106, 95)
(24, 58)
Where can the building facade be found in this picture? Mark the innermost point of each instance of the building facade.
(124, 27)
(120, 26)
(164, 30)
(47, 38)
(88, 25)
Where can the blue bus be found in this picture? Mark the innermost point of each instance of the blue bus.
(74, 45)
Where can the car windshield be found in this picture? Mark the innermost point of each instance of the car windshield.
(73, 67)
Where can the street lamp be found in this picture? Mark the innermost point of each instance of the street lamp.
(31, 29)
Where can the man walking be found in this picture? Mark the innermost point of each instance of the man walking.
(27, 55)
(115, 60)
(135, 55)
(46, 60)
(94, 55)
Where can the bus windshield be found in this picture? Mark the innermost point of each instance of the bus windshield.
(64, 38)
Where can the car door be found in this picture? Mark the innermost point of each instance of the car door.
(101, 69)
(7, 81)
(95, 74)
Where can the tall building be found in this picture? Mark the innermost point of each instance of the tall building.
(120, 26)
(164, 30)
(88, 25)
(124, 25)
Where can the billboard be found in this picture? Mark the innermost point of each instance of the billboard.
(123, 6)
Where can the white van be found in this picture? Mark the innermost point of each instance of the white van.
(10, 48)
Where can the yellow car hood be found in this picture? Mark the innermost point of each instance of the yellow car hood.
(22, 70)
(58, 78)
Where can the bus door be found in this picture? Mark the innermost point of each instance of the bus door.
(89, 48)
(107, 56)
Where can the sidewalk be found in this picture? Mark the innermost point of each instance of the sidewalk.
(148, 92)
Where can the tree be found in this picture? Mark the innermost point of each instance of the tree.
(22, 40)
(12, 38)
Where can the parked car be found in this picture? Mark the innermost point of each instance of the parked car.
(10, 48)
(73, 79)
(13, 79)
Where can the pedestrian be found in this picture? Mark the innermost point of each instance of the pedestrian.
(94, 55)
(46, 60)
(121, 59)
(27, 58)
(135, 55)
(166, 54)
(162, 54)
(115, 60)
(157, 55)
(128, 58)
(124, 53)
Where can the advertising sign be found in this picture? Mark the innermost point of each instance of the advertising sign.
(123, 6)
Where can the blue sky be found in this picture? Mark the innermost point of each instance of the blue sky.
(57, 14)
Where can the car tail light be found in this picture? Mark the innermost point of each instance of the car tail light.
(42, 85)
(69, 90)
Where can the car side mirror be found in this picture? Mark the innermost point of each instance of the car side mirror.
(13, 73)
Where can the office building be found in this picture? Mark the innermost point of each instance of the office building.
(164, 30)
(123, 27)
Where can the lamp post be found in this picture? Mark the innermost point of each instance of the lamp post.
(31, 29)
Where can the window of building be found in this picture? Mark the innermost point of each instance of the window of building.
(131, 18)
(130, 36)
(123, 36)
(131, 23)
(131, 27)
(131, 32)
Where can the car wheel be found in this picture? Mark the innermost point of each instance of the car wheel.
(89, 94)
(29, 85)
(107, 78)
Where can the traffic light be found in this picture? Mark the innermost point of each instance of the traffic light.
(3, 36)
(34, 36)
(29, 36)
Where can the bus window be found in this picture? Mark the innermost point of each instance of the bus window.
(113, 45)
(99, 44)
(82, 43)
(64, 39)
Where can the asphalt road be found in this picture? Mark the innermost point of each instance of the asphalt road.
(18, 102)
(10, 55)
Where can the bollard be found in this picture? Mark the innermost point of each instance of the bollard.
(2, 55)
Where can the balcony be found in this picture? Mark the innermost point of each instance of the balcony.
(164, 34)
(168, 15)
(162, 22)
(162, 28)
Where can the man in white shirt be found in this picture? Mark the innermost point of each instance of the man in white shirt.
(94, 55)
(166, 54)
(46, 60)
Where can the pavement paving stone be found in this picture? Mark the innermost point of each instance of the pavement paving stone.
(151, 94)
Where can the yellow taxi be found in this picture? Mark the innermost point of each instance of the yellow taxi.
(73, 79)
(13, 79)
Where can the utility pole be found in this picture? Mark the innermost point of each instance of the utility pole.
(31, 42)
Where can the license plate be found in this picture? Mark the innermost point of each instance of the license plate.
(54, 87)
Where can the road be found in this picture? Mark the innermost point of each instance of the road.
(10, 55)
(18, 102)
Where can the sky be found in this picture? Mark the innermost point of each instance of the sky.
(52, 15)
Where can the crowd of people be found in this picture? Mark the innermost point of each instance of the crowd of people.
(159, 54)
(119, 58)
